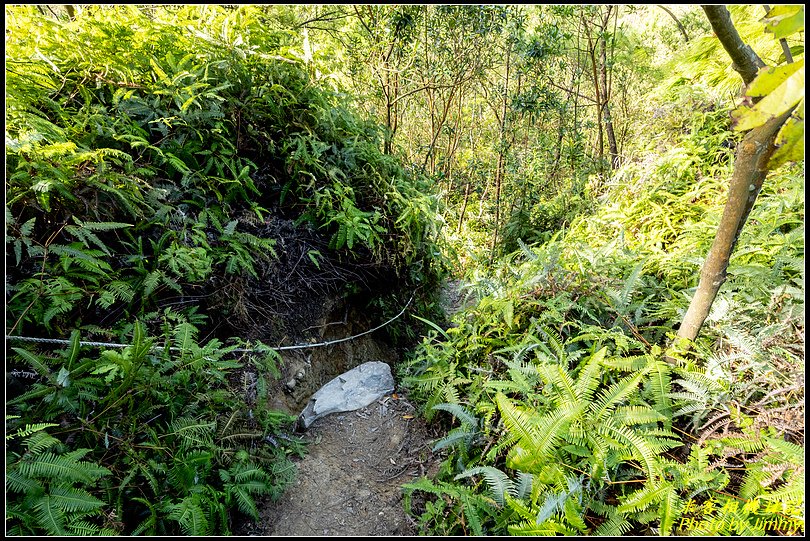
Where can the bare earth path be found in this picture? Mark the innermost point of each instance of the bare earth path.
(349, 483)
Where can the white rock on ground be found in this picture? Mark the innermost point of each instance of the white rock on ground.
(350, 391)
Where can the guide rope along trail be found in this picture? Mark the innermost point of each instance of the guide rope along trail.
(235, 350)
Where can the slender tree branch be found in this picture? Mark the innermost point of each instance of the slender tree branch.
(674, 18)
(745, 61)
(574, 92)
(326, 17)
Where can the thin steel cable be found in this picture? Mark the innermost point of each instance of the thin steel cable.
(240, 350)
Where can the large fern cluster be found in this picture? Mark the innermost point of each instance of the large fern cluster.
(556, 373)
(599, 439)
(148, 440)
(148, 160)
(46, 488)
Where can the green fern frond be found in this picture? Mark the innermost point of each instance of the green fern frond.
(22, 484)
(556, 342)
(697, 404)
(245, 501)
(34, 360)
(151, 281)
(538, 439)
(189, 515)
(459, 412)
(573, 512)
(449, 393)
(498, 482)
(549, 527)
(651, 493)
(588, 378)
(457, 435)
(40, 441)
(615, 526)
(669, 511)
(557, 376)
(520, 507)
(50, 516)
(518, 422)
(612, 396)
(750, 444)
(793, 490)
(627, 364)
(88, 529)
(425, 485)
(527, 251)
(471, 512)
(184, 336)
(636, 415)
(192, 432)
(697, 382)
(754, 481)
(88, 259)
(62, 468)
(148, 525)
(250, 472)
(74, 499)
(115, 291)
(790, 451)
(640, 448)
(661, 386)
(631, 284)
(27, 430)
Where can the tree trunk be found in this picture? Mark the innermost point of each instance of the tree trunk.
(600, 138)
(561, 130)
(499, 171)
(464, 206)
(606, 118)
(750, 170)
(576, 76)
(604, 90)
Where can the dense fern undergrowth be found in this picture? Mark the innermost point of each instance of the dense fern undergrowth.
(179, 180)
(156, 166)
(562, 415)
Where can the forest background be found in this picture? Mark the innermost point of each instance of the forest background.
(187, 180)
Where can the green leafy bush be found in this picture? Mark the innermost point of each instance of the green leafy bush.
(568, 421)
(152, 152)
(170, 443)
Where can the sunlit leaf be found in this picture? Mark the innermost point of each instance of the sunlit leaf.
(769, 78)
(781, 99)
(790, 140)
(783, 21)
(795, 50)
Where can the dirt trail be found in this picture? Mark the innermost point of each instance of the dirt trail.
(349, 483)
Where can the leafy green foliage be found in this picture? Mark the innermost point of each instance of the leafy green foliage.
(151, 162)
(179, 449)
(778, 90)
(41, 484)
(155, 179)
(561, 356)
